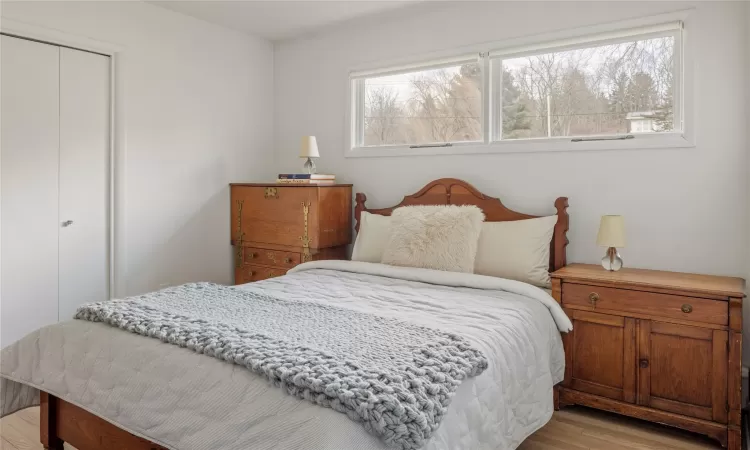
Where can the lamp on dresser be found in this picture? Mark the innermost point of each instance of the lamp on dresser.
(309, 150)
(275, 227)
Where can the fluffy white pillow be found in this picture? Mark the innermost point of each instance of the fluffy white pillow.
(373, 235)
(518, 250)
(434, 237)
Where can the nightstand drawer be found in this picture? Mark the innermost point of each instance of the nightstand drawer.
(630, 301)
(273, 258)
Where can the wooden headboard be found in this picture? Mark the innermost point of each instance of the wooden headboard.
(451, 191)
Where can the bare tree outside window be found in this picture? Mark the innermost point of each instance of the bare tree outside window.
(424, 107)
(610, 89)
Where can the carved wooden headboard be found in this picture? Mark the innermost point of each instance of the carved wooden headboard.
(451, 191)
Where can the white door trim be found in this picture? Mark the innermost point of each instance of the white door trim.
(116, 133)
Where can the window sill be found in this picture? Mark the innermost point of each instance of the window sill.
(641, 141)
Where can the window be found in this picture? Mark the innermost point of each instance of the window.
(593, 90)
(608, 86)
(423, 106)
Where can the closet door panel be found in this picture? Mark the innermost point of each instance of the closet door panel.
(29, 161)
(84, 179)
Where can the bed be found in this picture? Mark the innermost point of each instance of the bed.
(100, 387)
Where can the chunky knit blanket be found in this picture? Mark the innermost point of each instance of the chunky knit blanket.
(394, 377)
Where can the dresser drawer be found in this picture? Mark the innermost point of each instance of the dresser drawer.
(249, 273)
(649, 303)
(276, 258)
(276, 217)
(284, 206)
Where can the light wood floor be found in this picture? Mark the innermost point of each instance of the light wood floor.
(578, 428)
(573, 428)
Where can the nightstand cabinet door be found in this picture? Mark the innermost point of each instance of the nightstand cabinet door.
(683, 369)
(601, 355)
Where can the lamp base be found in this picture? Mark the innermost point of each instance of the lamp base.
(612, 260)
(310, 166)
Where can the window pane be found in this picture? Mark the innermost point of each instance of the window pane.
(424, 107)
(611, 89)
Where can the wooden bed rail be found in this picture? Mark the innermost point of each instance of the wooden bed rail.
(61, 422)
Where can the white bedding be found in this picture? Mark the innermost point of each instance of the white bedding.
(184, 400)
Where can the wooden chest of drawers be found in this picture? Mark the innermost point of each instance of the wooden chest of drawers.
(660, 346)
(275, 227)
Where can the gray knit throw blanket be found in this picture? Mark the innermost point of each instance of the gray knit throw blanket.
(394, 377)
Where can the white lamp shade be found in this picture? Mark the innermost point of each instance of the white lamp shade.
(611, 232)
(309, 148)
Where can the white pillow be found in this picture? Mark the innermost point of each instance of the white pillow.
(373, 235)
(518, 250)
(434, 237)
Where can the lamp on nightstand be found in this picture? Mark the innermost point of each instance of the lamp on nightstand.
(611, 235)
(309, 150)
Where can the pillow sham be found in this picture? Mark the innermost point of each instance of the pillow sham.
(518, 250)
(373, 235)
(434, 237)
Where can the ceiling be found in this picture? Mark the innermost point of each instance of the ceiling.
(279, 19)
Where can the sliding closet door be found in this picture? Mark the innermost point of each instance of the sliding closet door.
(29, 163)
(84, 179)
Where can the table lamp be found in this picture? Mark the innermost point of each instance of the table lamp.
(611, 235)
(309, 150)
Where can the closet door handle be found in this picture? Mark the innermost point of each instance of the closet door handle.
(67, 223)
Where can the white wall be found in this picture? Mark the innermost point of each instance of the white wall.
(685, 209)
(194, 113)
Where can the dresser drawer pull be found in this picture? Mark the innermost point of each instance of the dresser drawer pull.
(643, 363)
(687, 308)
(288, 260)
(252, 255)
(593, 298)
(250, 273)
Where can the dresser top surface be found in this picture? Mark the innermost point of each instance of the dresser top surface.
(706, 284)
(293, 185)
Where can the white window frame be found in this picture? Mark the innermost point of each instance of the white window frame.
(684, 112)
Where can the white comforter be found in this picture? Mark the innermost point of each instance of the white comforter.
(184, 400)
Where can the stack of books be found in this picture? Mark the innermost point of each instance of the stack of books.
(305, 178)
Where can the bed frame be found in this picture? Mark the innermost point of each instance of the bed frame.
(61, 421)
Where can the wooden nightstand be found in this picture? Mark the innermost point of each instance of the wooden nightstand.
(660, 346)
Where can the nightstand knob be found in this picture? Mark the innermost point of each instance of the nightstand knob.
(643, 363)
(250, 273)
(686, 308)
(288, 260)
(252, 255)
(593, 298)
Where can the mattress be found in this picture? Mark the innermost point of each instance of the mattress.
(184, 400)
